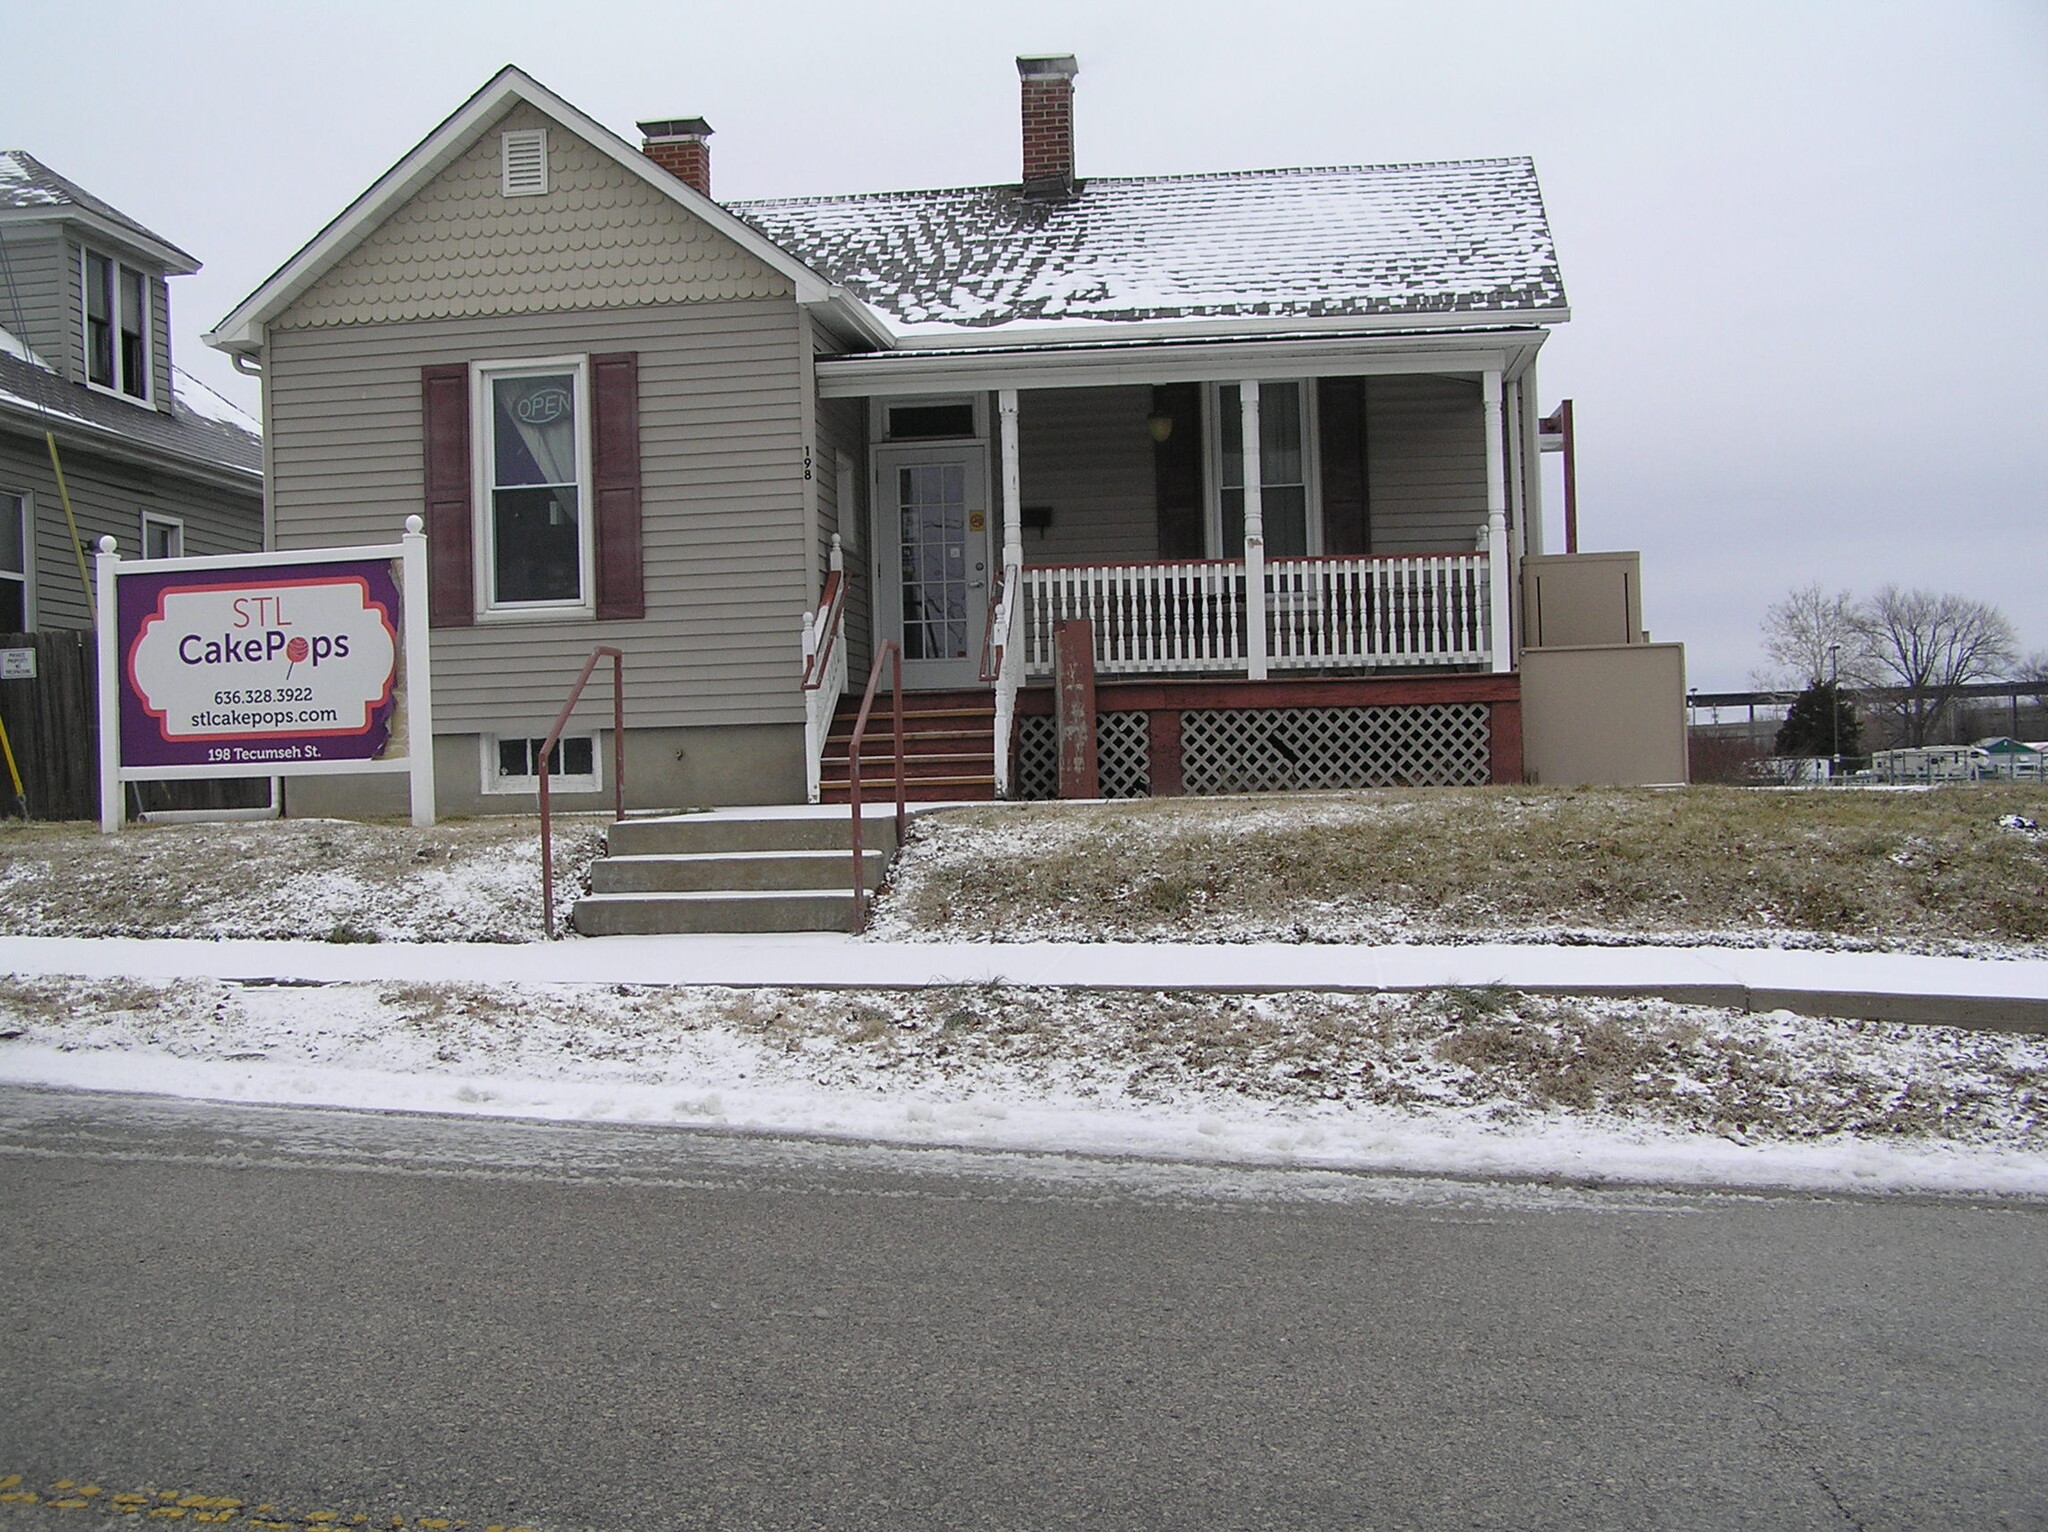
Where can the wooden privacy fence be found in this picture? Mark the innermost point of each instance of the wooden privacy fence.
(53, 724)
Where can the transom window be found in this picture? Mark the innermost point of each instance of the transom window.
(926, 420)
(1285, 485)
(116, 308)
(14, 549)
(535, 545)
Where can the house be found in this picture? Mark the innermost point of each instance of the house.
(754, 443)
(147, 456)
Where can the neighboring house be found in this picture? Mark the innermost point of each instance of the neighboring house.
(148, 457)
(632, 415)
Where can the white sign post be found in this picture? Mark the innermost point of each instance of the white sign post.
(311, 663)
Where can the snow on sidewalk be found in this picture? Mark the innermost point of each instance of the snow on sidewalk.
(842, 962)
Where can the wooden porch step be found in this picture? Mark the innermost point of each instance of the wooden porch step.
(874, 790)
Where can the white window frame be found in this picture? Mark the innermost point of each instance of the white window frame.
(1212, 462)
(177, 527)
(482, 440)
(878, 424)
(23, 505)
(494, 783)
(117, 266)
(510, 144)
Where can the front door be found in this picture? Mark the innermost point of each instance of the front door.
(934, 508)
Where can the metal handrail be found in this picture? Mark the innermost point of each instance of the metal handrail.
(892, 651)
(547, 749)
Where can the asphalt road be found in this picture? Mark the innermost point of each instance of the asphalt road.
(508, 1324)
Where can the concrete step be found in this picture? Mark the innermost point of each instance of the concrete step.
(694, 914)
(736, 872)
(688, 834)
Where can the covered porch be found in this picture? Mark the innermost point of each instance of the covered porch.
(997, 495)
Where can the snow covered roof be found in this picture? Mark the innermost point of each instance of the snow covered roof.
(30, 189)
(207, 435)
(1367, 241)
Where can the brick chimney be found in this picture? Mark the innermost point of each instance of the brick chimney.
(1048, 90)
(678, 146)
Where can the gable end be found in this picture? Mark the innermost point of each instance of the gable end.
(597, 237)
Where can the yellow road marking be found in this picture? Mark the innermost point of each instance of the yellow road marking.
(152, 1504)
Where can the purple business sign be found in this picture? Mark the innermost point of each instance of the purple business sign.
(258, 668)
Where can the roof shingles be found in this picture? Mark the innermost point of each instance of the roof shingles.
(1465, 237)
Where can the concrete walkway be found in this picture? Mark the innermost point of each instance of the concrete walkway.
(2001, 995)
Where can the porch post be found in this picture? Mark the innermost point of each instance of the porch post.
(1013, 524)
(1254, 529)
(1501, 640)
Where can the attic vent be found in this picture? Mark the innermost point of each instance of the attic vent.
(526, 162)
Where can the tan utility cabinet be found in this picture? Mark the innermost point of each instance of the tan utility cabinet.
(1581, 600)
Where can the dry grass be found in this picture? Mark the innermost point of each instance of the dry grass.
(317, 879)
(1908, 868)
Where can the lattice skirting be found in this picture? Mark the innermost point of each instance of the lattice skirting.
(1122, 756)
(1260, 750)
(1255, 750)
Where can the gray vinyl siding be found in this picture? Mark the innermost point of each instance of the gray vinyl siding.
(721, 449)
(842, 431)
(1087, 453)
(1425, 464)
(109, 498)
(39, 269)
(160, 343)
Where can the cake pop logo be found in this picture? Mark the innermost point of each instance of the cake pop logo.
(311, 656)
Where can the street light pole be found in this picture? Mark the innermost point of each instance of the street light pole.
(1835, 707)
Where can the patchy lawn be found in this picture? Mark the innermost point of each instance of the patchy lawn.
(1331, 1078)
(308, 879)
(1934, 871)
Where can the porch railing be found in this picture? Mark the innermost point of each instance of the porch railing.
(1191, 616)
(824, 669)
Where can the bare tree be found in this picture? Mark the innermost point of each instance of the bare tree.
(2035, 668)
(1811, 637)
(1931, 645)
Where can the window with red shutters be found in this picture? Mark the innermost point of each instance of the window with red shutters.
(510, 543)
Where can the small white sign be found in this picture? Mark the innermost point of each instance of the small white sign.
(17, 664)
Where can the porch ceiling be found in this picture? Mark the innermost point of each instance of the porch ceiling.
(1112, 362)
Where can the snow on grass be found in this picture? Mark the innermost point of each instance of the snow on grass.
(1949, 871)
(1462, 1082)
(306, 879)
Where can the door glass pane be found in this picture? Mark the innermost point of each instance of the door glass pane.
(931, 504)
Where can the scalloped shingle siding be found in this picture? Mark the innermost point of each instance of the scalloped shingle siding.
(600, 238)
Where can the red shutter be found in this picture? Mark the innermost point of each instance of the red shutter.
(615, 415)
(451, 562)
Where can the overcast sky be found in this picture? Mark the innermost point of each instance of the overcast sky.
(1806, 244)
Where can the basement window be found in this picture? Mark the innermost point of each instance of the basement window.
(525, 162)
(512, 764)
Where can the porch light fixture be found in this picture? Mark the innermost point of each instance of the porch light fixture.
(1161, 427)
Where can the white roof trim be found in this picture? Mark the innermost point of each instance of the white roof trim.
(106, 231)
(242, 330)
(1110, 364)
(1031, 334)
